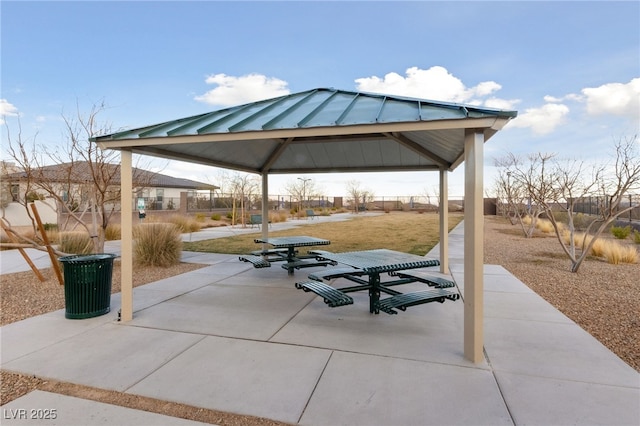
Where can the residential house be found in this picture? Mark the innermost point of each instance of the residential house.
(75, 183)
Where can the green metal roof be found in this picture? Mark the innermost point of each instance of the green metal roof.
(319, 130)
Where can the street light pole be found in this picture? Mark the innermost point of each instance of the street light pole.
(304, 188)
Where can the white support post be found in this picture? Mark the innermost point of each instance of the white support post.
(473, 247)
(126, 227)
(265, 206)
(444, 222)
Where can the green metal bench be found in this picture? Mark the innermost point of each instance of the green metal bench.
(256, 219)
(403, 301)
(311, 213)
(257, 261)
(332, 297)
(425, 277)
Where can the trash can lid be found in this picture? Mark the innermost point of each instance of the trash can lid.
(87, 257)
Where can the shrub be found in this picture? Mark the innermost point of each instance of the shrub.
(184, 224)
(545, 226)
(636, 236)
(112, 232)
(599, 247)
(616, 253)
(50, 226)
(200, 217)
(75, 243)
(278, 216)
(620, 232)
(216, 216)
(157, 244)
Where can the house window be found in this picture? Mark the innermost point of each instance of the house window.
(15, 192)
(159, 198)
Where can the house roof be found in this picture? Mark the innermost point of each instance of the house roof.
(80, 172)
(320, 130)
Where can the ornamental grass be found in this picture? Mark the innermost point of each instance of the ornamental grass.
(156, 244)
(75, 242)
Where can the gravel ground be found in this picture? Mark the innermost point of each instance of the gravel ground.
(601, 298)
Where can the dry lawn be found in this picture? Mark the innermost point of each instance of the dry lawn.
(394, 231)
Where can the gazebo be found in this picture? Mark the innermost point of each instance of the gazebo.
(326, 130)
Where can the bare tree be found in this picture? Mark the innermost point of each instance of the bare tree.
(79, 176)
(525, 186)
(354, 191)
(560, 185)
(301, 189)
(367, 197)
(429, 194)
(242, 187)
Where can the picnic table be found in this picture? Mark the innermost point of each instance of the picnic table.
(365, 268)
(284, 249)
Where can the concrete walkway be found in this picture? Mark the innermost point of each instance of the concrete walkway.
(233, 338)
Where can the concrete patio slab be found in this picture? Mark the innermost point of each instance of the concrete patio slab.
(523, 306)
(71, 411)
(543, 401)
(111, 356)
(554, 350)
(240, 376)
(358, 389)
(249, 312)
(36, 333)
(432, 332)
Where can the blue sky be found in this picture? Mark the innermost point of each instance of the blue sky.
(571, 69)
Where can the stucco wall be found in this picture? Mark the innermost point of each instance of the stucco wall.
(17, 216)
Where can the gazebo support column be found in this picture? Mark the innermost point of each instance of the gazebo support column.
(126, 226)
(473, 246)
(265, 206)
(444, 222)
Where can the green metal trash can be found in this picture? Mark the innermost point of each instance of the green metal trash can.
(87, 284)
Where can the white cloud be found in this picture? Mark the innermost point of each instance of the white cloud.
(614, 99)
(436, 83)
(232, 90)
(498, 103)
(542, 120)
(7, 110)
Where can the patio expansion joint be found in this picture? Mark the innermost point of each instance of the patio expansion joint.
(315, 386)
(126, 390)
(495, 379)
(285, 323)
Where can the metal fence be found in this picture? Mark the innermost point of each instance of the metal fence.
(203, 202)
(594, 205)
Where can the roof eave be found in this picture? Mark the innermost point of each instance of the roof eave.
(106, 142)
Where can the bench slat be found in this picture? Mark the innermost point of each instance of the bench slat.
(403, 301)
(257, 261)
(335, 273)
(332, 296)
(271, 251)
(437, 282)
(306, 264)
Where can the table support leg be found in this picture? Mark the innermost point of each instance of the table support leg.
(374, 293)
